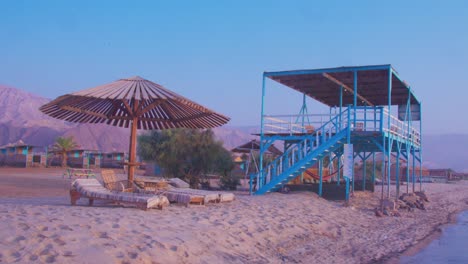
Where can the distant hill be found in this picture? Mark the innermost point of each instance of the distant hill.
(446, 151)
(20, 119)
(20, 109)
(234, 136)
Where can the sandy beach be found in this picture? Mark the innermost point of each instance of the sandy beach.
(37, 224)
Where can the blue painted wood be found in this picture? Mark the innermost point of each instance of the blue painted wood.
(328, 70)
(307, 161)
(320, 177)
(262, 148)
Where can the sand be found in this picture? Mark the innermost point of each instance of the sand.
(37, 224)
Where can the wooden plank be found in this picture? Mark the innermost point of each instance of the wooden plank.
(331, 78)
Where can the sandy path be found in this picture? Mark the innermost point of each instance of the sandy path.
(276, 228)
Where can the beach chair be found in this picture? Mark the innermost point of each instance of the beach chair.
(209, 196)
(175, 196)
(92, 189)
(194, 196)
(112, 183)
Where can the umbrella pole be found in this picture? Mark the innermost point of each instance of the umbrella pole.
(132, 150)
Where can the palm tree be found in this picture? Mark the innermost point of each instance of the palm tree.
(63, 145)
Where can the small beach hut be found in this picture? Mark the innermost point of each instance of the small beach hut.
(133, 103)
(17, 154)
(250, 148)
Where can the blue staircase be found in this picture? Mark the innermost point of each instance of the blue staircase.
(301, 156)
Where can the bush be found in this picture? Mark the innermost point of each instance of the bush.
(229, 182)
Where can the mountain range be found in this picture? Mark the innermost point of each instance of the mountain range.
(20, 119)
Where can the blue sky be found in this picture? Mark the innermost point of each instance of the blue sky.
(214, 52)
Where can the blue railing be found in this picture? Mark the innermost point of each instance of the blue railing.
(302, 148)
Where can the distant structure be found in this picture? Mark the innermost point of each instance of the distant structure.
(88, 158)
(115, 159)
(76, 158)
(370, 110)
(447, 174)
(20, 154)
(248, 162)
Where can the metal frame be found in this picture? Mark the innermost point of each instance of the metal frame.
(371, 129)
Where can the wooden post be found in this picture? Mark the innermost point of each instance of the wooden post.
(132, 150)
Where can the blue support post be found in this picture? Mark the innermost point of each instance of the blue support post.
(364, 172)
(413, 172)
(251, 176)
(420, 148)
(347, 188)
(320, 164)
(407, 167)
(349, 141)
(304, 108)
(349, 125)
(341, 104)
(390, 140)
(355, 100)
(339, 171)
(365, 117)
(373, 169)
(375, 118)
(260, 177)
(352, 178)
(389, 164)
(397, 172)
(408, 143)
(384, 163)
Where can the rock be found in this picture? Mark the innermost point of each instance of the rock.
(413, 200)
(396, 213)
(378, 213)
(387, 203)
(422, 195)
(401, 205)
(386, 211)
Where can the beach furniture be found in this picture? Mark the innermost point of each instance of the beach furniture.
(112, 183)
(178, 183)
(92, 189)
(193, 196)
(78, 173)
(182, 194)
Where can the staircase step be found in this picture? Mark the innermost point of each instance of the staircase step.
(304, 161)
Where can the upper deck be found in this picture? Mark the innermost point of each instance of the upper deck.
(363, 121)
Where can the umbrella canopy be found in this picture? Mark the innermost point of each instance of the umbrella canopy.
(136, 103)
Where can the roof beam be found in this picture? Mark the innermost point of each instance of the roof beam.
(318, 71)
(77, 110)
(331, 78)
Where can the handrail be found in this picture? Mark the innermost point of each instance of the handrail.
(282, 162)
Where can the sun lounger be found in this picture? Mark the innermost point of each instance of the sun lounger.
(92, 189)
(180, 197)
(226, 197)
(193, 196)
(209, 196)
(178, 183)
(112, 183)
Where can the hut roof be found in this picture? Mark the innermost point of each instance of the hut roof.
(255, 145)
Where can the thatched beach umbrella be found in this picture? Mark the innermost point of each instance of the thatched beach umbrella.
(136, 103)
